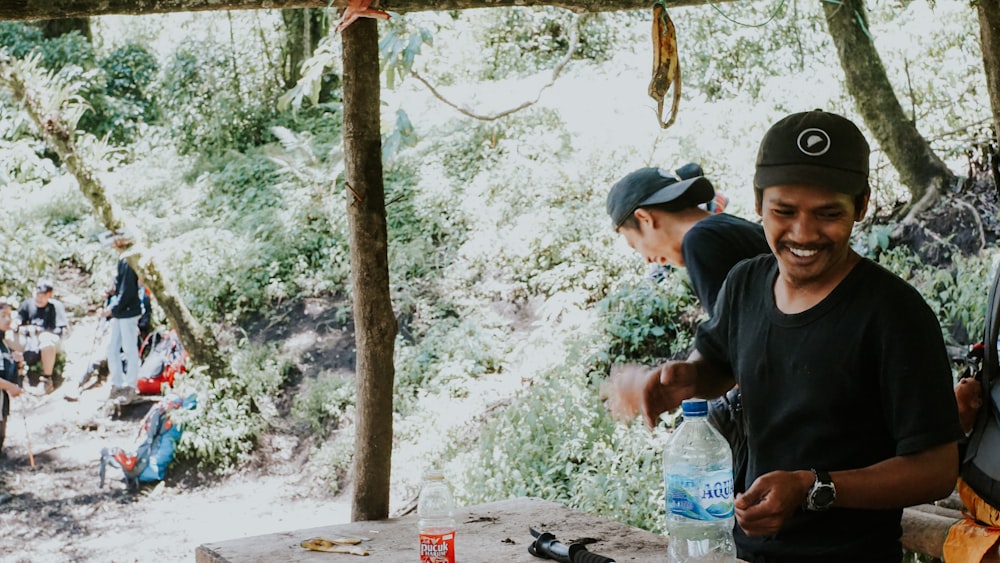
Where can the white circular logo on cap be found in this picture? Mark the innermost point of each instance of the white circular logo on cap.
(813, 142)
(663, 172)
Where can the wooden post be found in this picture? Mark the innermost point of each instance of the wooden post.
(374, 320)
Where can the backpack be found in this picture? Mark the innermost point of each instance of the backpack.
(164, 359)
(157, 438)
(981, 461)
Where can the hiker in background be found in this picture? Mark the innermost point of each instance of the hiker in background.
(124, 309)
(9, 380)
(845, 381)
(673, 218)
(43, 323)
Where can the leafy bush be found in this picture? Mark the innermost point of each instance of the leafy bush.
(279, 234)
(213, 105)
(129, 72)
(555, 441)
(647, 321)
(231, 413)
(331, 461)
(321, 404)
(957, 294)
(114, 87)
(447, 351)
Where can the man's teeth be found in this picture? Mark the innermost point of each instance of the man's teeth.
(802, 252)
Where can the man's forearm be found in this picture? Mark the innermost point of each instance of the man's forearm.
(712, 381)
(899, 481)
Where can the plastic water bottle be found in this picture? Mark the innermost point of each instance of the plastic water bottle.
(436, 509)
(698, 475)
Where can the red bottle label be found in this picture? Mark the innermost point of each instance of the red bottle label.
(437, 545)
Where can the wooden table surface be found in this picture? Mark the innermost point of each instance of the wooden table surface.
(495, 532)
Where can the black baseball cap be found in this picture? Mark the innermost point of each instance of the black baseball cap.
(684, 187)
(816, 148)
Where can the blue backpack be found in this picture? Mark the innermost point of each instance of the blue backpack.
(157, 438)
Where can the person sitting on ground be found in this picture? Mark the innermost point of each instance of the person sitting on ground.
(43, 323)
(10, 384)
(668, 218)
(842, 368)
(124, 310)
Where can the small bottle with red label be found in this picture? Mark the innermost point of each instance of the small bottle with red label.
(436, 509)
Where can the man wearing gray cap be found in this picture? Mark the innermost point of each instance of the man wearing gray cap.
(846, 384)
(660, 214)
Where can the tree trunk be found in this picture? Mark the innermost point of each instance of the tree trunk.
(374, 320)
(198, 342)
(303, 30)
(989, 37)
(50, 9)
(55, 28)
(919, 168)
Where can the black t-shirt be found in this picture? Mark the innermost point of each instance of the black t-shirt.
(8, 371)
(713, 246)
(51, 317)
(859, 378)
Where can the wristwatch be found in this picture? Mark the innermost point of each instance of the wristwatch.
(822, 494)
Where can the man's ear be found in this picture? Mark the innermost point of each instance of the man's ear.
(643, 215)
(863, 207)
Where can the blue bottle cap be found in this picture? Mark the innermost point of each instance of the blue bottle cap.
(694, 407)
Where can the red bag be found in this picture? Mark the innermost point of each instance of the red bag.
(166, 360)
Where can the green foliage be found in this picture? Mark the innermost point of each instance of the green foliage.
(647, 321)
(398, 48)
(50, 226)
(114, 86)
(129, 72)
(403, 135)
(330, 463)
(326, 56)
(211, 104)
(750, 44)
(445, 353)
(322, 403)
(56, 52)
(20, 39)
(231, 413)
(279, 234)
(957, 293)
(555, 441)
(526, 40)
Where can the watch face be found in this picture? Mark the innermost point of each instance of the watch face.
(822, 497)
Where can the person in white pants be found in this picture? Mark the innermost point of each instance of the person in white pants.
(124, 310)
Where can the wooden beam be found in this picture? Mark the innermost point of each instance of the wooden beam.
(22, 10)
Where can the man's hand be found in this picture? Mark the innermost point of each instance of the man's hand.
(633, 389)
(969, 395)
(16, 391)
(622, 391)
(772, 499)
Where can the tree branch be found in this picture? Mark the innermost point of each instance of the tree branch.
(574, 41)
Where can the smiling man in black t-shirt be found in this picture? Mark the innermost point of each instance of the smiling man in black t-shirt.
(846, 383)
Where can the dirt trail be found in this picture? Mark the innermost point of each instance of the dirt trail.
(57, 512)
